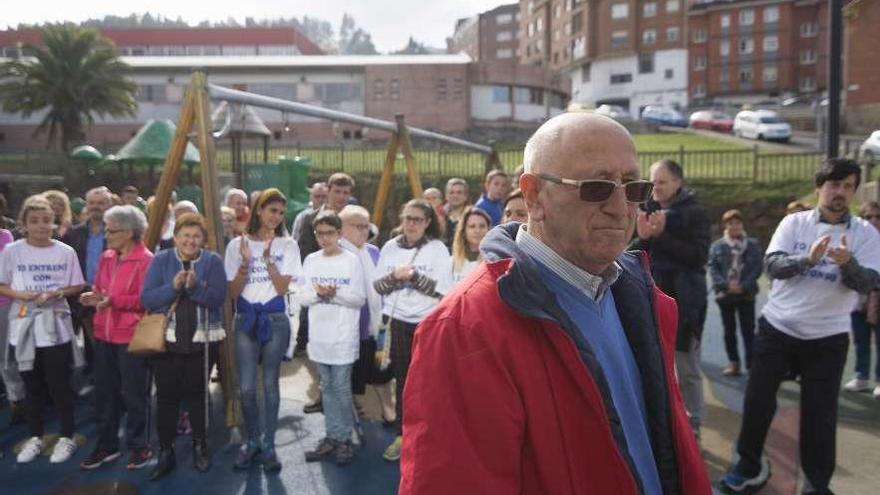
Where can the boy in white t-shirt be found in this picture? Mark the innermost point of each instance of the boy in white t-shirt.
(820, 261)
(333, 290)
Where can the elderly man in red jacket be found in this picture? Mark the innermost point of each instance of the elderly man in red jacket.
(549, 370)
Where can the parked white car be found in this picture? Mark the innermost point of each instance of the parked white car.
(616, 112)
(761, 124)
(870, 149)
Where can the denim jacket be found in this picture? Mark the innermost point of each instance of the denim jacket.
(719, 264)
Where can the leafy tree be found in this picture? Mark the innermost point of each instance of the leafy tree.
(354, 40)
(75, 75)
(413, 47)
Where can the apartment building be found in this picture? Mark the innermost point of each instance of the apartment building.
(630, 53)
(861, 80)
(489, 36)
(746, 51)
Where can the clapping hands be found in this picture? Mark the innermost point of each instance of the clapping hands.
(650, 225)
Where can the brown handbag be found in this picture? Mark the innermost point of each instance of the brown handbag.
(149, 335)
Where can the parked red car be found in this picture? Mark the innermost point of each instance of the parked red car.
(711, 120)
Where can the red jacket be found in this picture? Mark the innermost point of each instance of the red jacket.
(123, 282)
(499, 402)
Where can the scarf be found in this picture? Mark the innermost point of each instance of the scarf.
(737, 248)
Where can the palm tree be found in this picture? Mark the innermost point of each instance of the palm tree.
(75, 75)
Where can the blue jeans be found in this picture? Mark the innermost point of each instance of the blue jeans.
(862, 340)
(249, 354)
(336, 397)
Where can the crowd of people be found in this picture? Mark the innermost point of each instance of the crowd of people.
(474, 324)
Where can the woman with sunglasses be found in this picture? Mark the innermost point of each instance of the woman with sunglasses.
(260, 266)
(415, 271)
(474, 225)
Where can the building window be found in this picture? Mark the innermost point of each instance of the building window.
(771, 14)
(771, 74)
(746, 17)
(649, 36)
(699, 90)
(807, 84)
(503, 36)
(809, 30)
(539, 24)
(745, 74)
(585, 73)
(504, 53)
(618, 39)
(646, 63)
(725, 21)
(700, 62)
(620, 11)
(378, 89)
(746, 46)
(557, 12)
(668, 74)
(672, 34)
(673, 6)
(577, 22)
(649, 9)
(621, 78)
(724, 48)
(771, 43)
(808, 57)
(239, 50)
(394, 89)
(505, 18)
(700, 35)
(724, 76)
(530, 96)
(500, 94)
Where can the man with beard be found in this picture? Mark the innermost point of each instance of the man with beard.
(87, 239)
(821, 261)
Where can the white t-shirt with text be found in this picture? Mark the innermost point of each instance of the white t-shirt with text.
(258, 287)
(41, 269)
(816, 304)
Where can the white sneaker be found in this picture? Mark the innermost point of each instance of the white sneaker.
(63, 450)
(857, 385)
(30, 450)
(877, 392)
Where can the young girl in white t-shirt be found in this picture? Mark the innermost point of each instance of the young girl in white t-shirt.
(260, 266)
(474, 225)
(38, 274)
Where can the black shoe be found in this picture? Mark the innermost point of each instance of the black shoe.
(165, 464)
(317, 407)
(139, 458)
(99, 457)
(201, 458)
(326, 447)
(344, 453)
(270, 462)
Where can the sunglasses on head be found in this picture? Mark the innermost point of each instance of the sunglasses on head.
(599, 190)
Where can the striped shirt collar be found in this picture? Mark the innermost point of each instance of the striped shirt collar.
(816, 216)
(593, 286)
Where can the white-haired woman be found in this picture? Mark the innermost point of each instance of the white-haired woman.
(238, 201)
(118, 374)
(38, 273)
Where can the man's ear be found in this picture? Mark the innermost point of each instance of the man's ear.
(531, 189)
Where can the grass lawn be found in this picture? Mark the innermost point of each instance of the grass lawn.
(668, 141)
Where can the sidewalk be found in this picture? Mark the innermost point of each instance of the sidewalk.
(858, 433)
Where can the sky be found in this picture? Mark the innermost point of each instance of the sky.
(390, 22)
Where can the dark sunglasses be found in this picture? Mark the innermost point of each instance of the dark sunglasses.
(599, 190)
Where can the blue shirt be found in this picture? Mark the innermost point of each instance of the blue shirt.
(94, 248)
(599, 323)
(495, 209)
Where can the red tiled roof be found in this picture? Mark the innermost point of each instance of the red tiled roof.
(187, 36)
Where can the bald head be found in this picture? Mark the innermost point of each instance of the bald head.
(573, 134)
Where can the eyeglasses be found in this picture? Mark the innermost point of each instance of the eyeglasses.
(599, 190)
(415, 220)
(359, 226)
(871, 217)
(113, 231)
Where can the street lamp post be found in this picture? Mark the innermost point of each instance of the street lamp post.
(835, 35)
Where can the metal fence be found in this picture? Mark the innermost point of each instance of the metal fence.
(746, 165)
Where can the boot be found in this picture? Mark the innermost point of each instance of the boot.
(17, 414)
(201, 458)
(164, 465)
(732, 369)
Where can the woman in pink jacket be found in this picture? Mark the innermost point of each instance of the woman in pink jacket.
(116, 296)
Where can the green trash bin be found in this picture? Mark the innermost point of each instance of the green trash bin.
(290, 175)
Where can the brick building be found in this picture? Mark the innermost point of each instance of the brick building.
(489, 36)
(624, 52)
(176, 41)
(746, 51)
(861, 78)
